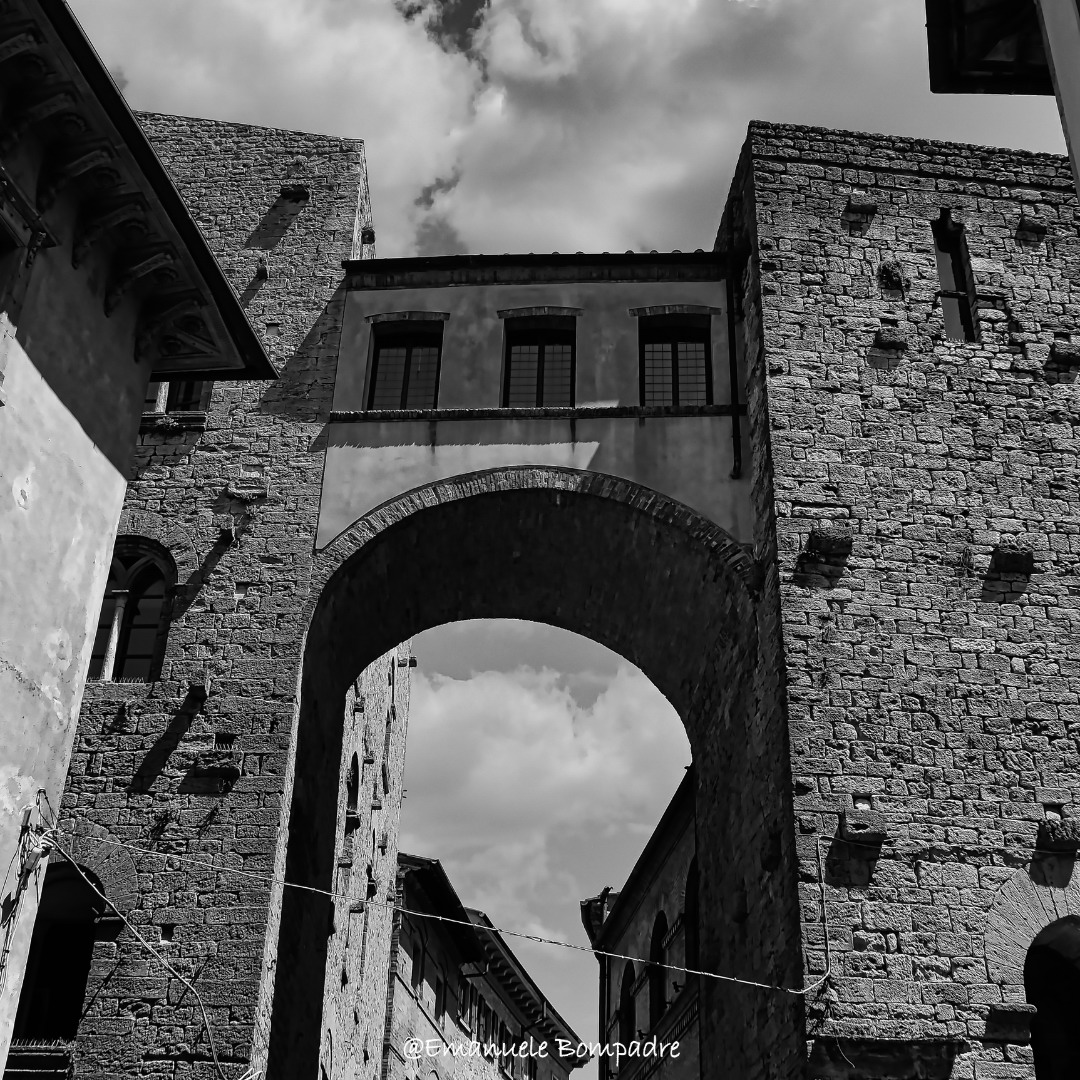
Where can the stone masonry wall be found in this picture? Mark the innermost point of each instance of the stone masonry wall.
(358, 949)
(140, 769)
(932, 677)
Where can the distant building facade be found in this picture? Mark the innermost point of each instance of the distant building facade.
(105, 284)
(453, 985)
(655, 917)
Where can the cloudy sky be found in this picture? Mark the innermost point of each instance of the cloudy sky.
(505, 125)
(538, 763)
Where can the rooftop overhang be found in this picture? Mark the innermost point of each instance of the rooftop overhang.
(72, 151)
(986, 47)
(528, 269)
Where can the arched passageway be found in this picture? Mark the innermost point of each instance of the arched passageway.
(635, 572)
(1052, 983)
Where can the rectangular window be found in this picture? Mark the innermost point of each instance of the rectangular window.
(957, 284)
(418, 969)
(540, 362)
(675, 367)
(405, 365)
(185, 396)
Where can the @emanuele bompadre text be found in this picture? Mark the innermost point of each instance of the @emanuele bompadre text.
(564, 1048)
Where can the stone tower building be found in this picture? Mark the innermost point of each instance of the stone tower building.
(819, 484)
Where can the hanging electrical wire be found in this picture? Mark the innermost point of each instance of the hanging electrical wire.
(412, 913)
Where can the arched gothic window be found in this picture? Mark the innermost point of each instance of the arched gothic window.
(627, 1008)
(657, 971)
(133, 624)
(1052, 982)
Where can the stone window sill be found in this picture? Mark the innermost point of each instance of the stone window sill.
(163, 423)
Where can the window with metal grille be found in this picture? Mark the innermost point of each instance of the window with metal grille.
(957, 284)
(675, 365)
(405, 365)
(540, 362)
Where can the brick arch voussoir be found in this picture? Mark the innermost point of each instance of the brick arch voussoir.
(732, 558)
(113, 866)
(141, 523)
(1021, 908)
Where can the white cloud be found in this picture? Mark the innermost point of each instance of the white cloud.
(533, 800)
(569, 124)
(511, 761)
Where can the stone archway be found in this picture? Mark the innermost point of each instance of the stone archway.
(636, 572)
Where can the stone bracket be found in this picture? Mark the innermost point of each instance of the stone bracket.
(1010, 559)
(60, 174)
(1010, 1023)
(1059, 834)
(62, 100)
(24, 39)
(863, 826)
(155, 321)
(1065, 354)
(829, 543)
(147, 261)
(891, 338)
(101, 219)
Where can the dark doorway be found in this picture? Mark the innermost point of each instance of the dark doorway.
(58, 965)
(1052, 982)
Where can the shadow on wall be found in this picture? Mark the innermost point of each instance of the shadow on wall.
(277, 220)
(304, 390)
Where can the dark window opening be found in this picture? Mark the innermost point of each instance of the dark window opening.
(184, 395)
(131, 630)
(675, 363)
(405, 365)
(1052, 983)
(657, 971)
(954, 273)
(627, 1009)
(352, 785)
(418, 969)
(540, 362)
(58, 964)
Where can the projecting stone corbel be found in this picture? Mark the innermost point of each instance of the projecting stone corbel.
(100, 219)
(1010, 1022)
(863, 826)
(859, 212)
(147, 261)
(154, 321)
(20, 40)
(891, 338)
(295, 192)
(1065, 354)
(1059, 835)
(1011, 558)
(62, 172)
(1030, 230)
(829, 543)
(61, 100)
